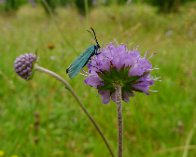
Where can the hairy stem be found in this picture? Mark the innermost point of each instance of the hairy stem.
(67, 86)
(118, 95)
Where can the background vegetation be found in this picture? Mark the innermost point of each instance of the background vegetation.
(39, 118)
(164, 6)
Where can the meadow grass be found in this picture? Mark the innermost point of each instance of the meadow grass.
(152, 124)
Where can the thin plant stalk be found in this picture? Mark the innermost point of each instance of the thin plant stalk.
(86, 11)
(188, 141)
(118, 95)
(175, 149)
(67, 86)
(57, 25)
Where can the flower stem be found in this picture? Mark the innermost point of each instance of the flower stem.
(67, 86)
(118, 95)
(57, 25)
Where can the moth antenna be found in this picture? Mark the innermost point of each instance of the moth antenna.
(94, 35)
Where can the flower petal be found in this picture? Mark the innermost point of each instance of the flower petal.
(126, 96)
(140, 67)
(105, 95)
(143, 84)
(93, 80)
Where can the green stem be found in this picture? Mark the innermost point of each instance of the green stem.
(118, 95)
(86, 11)
(62, 80)
(57, 25)
(188, 141)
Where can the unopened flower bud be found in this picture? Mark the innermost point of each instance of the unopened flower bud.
(23, 65)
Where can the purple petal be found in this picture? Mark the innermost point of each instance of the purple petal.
(134, 53)
(105, 95)
(126, 96)
(144, 85)
(140, 67)
(122, 48)
(93, 81)
(113, 96)
(141, 87)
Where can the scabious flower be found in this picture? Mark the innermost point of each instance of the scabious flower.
(23, 65)
(116, 65)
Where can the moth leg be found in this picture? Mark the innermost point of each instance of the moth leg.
(84, 72)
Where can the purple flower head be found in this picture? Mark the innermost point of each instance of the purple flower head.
(118, 65)
(23, 65)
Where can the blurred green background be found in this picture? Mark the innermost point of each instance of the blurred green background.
(159, 125)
